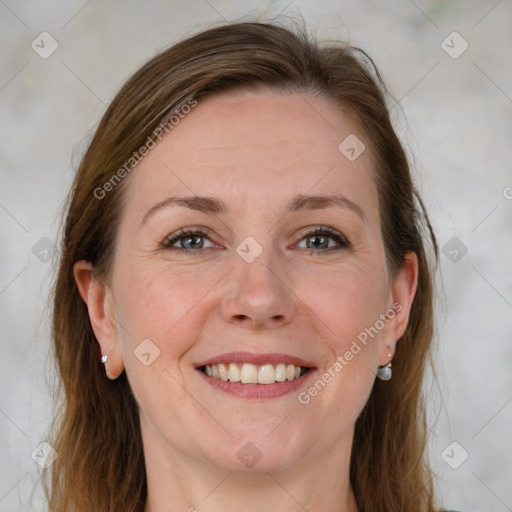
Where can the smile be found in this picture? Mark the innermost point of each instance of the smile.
(259, 376)
(247, 373)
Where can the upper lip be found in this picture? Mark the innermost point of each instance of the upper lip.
(256, 359)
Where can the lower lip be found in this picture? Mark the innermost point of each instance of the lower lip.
(257, 391)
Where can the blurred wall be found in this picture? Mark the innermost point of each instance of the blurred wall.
(448, 64)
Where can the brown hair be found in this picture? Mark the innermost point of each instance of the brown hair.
(97, 433)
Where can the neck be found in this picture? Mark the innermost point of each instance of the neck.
(177, 483)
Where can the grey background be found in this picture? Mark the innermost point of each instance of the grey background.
(455, 118)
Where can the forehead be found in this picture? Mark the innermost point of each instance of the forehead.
(259, 146)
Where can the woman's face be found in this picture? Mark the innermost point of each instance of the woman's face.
(253, 286)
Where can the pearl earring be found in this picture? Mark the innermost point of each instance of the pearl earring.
(109, 375)
(384, 372)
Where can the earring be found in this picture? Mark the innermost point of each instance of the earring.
(109, 375)
(384, 372)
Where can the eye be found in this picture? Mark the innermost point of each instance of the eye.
(320, 238)
(189, 240)
(192, 240)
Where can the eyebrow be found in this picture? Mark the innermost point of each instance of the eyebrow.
(298, 203)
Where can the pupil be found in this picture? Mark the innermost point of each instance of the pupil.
(193, 240)
(321, 244)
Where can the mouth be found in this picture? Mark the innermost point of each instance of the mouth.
(255, 375)
(247, 373)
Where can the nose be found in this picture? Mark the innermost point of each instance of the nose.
(258, 296)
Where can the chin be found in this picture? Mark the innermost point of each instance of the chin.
(261, 452)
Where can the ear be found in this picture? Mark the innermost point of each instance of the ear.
(98, 299)
(402, 296)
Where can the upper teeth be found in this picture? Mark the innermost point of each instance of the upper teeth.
(252, 374)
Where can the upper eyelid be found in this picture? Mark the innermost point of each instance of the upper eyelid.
(321, 229)
(182, 233)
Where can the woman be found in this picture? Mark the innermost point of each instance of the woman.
(244, 256)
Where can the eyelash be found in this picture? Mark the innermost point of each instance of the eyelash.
(188, 232)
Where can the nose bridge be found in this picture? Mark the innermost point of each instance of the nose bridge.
(258, 295)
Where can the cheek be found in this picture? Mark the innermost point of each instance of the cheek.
(158, 310)
(348, 302)
(155, 304)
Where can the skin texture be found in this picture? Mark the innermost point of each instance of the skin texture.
(254, 150)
